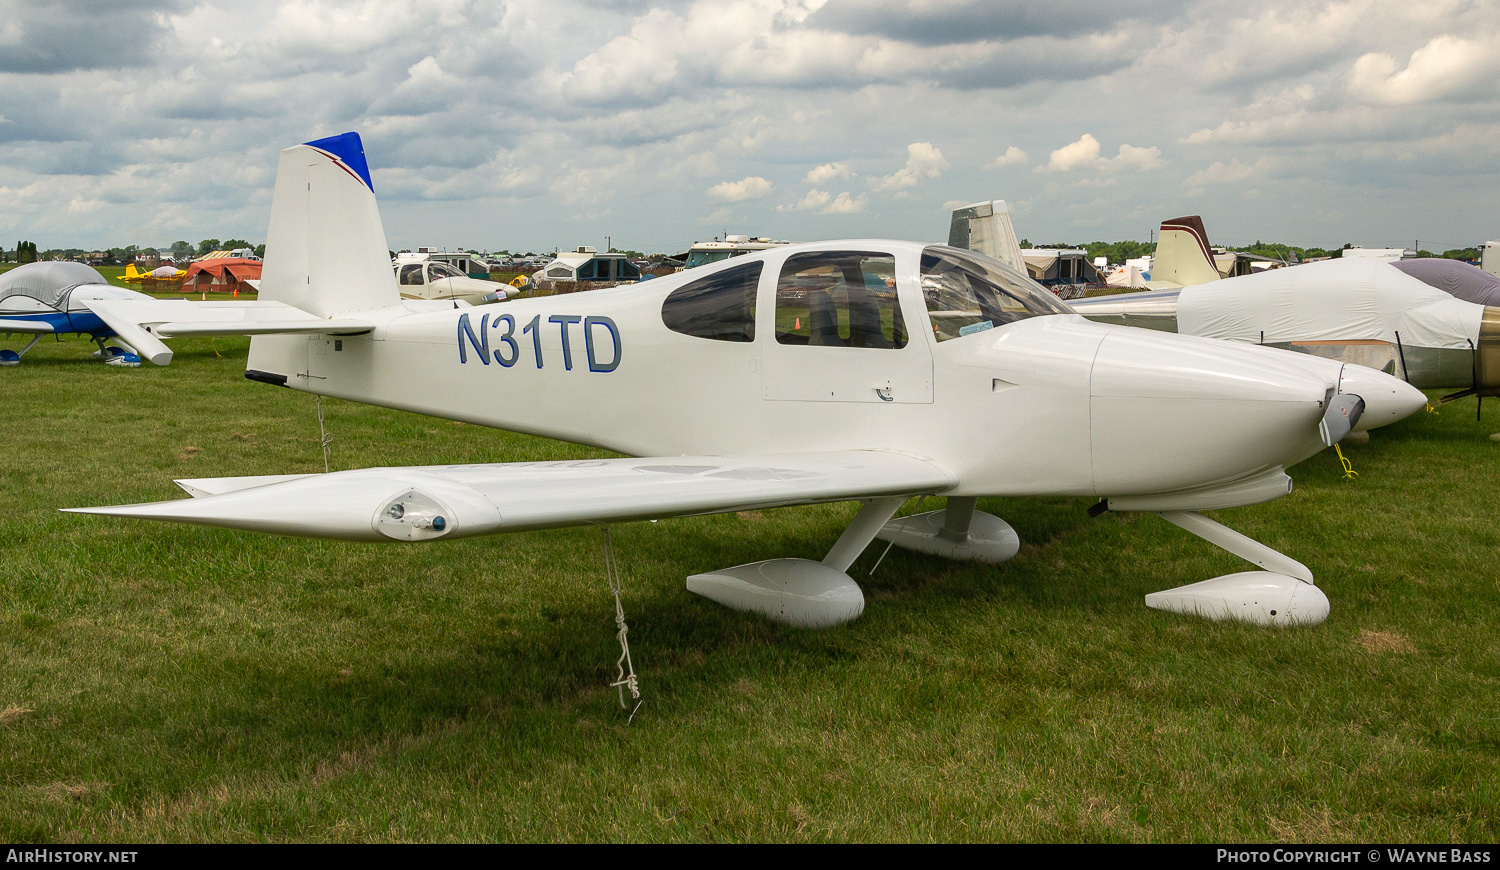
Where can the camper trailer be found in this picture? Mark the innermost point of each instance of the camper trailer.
(585, 263)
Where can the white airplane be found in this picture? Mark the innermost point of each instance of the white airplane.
(856, 370)
(421, 277)
(51, 298)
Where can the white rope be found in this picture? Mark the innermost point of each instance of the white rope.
(325, 437)
(624, 668)
(892, 542)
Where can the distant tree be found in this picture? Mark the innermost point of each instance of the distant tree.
(260, 250)
(181, 249)
(1470, 254)
(207, 246)
(233, 244)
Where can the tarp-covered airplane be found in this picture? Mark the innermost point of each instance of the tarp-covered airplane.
(51, 298)
(1351, 310)
(855, 370)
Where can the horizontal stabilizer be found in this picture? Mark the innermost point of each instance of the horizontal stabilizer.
(143, 323)
(27, 327)
(440, 501)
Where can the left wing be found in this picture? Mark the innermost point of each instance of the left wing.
(423, 503)
(26, 327)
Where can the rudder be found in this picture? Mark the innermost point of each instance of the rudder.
(1183, 256)
(326, 248)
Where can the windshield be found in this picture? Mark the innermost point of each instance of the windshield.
(703, 258)
(967, 293)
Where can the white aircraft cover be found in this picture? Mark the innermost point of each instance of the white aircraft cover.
(1333, 300)
(520, 496)
(49, 282)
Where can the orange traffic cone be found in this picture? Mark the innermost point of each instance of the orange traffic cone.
(798, 324)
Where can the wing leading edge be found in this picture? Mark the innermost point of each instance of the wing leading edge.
(454, 501)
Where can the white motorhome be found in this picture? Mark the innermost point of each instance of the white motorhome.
(1384, 255)
(703, 253)
(1490, 262)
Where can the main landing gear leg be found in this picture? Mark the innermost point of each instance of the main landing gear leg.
(1282, 594)
(801, 592)
(116, 356)
(13, 358)
(956, 532)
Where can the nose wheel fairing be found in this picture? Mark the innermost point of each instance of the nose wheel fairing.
(1281, 594)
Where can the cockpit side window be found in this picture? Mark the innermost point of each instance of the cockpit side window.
(839, 299)
(411, 276)
(966, 293)
(719, 307)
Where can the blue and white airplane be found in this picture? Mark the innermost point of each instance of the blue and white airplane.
(41, 299)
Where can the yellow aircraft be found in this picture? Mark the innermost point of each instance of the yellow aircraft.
(134, 276)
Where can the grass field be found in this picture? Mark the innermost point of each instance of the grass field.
(163, 682)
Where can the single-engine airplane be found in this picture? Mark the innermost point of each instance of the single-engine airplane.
(856, 370)
(51, 298)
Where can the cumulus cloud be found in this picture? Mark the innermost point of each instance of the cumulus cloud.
(814, 199)
(825, 202)
(845, 204)
(1445, 67)
(827, 172)
(751, 187)
(1011, 157)
(1232, 172)
(1084, 155)
(923, 161)
(549, 122)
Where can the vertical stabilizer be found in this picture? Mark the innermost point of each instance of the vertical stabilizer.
(985, 228)
(1183, 257)
(325, 248)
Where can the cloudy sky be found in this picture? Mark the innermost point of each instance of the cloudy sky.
(533, 124)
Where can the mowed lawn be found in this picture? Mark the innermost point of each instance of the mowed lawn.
(162, 682)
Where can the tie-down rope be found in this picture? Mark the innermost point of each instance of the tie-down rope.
(625, 677)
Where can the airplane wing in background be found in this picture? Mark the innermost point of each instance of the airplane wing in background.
(143, 323)
(422, 503)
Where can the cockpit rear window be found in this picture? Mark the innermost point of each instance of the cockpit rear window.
(720, 307)
(967, 293)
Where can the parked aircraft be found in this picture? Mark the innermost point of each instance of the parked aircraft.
(1351, 310)
(421, 277)
(855, 370)
(50, 298)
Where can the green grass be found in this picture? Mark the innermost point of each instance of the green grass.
(163, 682)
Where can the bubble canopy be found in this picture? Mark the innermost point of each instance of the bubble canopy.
(967, 293)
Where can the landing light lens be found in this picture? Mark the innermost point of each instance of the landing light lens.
(396, 511)
(438, 524)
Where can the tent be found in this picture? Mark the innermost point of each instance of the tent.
(223, 275)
